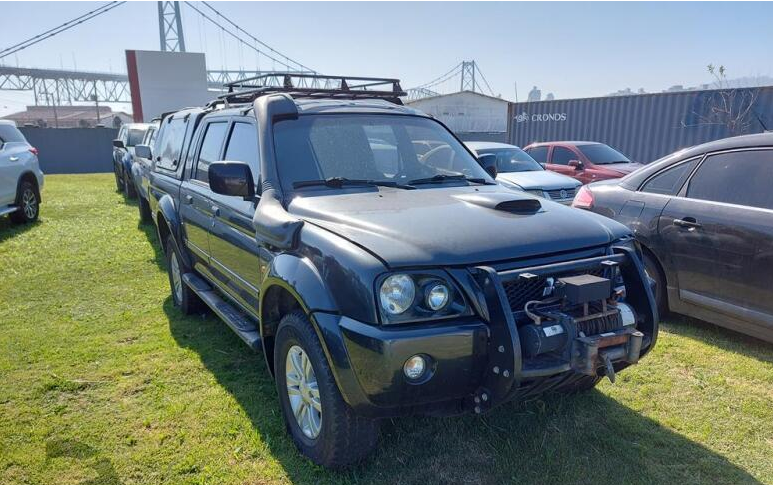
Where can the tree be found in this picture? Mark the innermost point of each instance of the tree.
(727, 106)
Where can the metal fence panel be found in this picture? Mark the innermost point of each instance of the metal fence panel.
(73, 150)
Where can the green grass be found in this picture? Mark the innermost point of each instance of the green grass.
(103, 381)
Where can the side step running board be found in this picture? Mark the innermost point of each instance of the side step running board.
(240, 323)
(8, 210)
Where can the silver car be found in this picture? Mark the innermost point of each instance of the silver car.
(516, 169)
(20, 177)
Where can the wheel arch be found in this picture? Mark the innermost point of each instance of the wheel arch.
(27, 176)
(168, 226)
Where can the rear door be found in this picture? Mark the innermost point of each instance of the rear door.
(234, 247)
(719, 234)
(196, 205)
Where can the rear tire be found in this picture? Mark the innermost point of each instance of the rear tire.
(184, 298)
(652, 268)
(144, 207)
(118, 179)
(28, 202)
(583, 384)
(342, 437)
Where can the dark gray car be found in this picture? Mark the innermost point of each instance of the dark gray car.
(704, 217)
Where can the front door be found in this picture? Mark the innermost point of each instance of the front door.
(11, 164)
(559, 162)
(717, 234)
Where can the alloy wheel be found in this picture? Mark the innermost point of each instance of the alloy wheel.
(29, 204)
(303, 392)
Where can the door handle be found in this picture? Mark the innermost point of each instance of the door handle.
(216, 210)
(188, 199)
(688, 222)
(13, 159)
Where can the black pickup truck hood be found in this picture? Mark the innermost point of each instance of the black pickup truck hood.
(451, 225)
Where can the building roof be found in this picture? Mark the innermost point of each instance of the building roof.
(456, 94)
(67, 116)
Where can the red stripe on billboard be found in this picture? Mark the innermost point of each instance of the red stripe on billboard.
(134, 85)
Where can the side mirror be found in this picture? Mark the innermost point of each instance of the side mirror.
(577, 164)
(489, 164)
(118, 143)
(231, 178)
(143, 151)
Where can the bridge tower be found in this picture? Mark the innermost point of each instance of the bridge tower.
(170, 27)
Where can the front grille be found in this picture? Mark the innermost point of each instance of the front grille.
(521, 291)
(557, 195)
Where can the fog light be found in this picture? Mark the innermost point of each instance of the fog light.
(414, 367)
(437, 296)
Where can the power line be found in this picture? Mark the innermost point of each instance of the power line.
(287, 60)
(59, 29)
(440, 79)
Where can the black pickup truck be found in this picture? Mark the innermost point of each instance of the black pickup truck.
(377, 265)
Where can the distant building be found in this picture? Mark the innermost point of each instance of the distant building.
(69, 117)
(534, 95)
(471, 115)
(550, 97)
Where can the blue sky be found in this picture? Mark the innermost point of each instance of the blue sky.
(570, 49)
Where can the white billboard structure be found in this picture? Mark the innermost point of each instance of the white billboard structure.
(165, 81)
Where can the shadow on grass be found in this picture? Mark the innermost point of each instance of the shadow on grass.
(723, 338)
(10, 229)
(589, 438)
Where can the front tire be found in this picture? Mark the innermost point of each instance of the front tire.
(326, 429)
(184, 298)
(29, 204)
(128, 186)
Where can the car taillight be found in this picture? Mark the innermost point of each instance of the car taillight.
(583, 199)
(34, 151)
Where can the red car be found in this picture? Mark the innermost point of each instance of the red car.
(586, 161)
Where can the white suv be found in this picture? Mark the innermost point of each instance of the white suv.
(20, 175)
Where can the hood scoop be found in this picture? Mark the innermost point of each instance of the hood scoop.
(503, 202)
(520, 206)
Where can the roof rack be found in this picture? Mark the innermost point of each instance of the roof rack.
(307, 85)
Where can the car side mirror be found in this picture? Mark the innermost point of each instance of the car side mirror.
(143, 151)
(118, 143)
(231, 178)
(489, 164)
(577, 164)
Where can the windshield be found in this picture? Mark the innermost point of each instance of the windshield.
(600, 154)
(396, 149)
(513, 160)
(135, 137)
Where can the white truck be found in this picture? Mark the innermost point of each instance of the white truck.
(20, 177)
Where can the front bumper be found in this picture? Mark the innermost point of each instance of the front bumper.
(476, 363)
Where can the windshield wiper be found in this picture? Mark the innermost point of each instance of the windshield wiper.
(441, 177)
(338, 182)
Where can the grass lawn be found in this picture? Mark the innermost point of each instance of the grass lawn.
(104, 381)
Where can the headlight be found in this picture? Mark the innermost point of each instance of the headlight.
(418, 296)
(397, 293)
(538, 193)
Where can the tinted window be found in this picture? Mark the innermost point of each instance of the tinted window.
(600, 154)
(540, 154)
(210, 148)
(243, 147)
(10, 134)
(561, 156)
(170, 143)
(359, 146)
(670, 180)
(135, 137)
(741, 178)
(513, 160)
